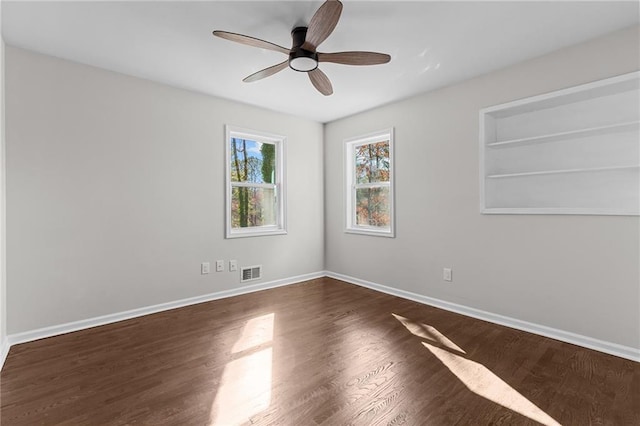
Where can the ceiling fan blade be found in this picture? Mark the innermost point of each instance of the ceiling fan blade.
(266, 72)
(354, 58)
(321, 82)
(322, 24)
(250, 41)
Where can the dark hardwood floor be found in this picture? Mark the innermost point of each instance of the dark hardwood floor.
(320, 352)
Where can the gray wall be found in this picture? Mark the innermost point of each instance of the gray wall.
(574, 273)
(115, 193)
(3, 281)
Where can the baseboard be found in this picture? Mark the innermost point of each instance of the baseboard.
(4, 351)
(29, 336)
(553, 333)
(561, 335)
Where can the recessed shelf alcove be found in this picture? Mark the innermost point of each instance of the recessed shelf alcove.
(573, 151)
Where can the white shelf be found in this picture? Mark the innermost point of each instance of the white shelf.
(574, 151)
(553, 172)
(560, 210)
(553, 137)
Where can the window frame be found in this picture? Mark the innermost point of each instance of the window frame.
(350, 186)
(279, 186)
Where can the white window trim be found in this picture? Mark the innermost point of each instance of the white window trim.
(281, 224)
(349, 175)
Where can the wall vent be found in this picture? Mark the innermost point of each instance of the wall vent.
(250, 273)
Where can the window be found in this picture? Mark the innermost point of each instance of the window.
(255, 183)
(369, 184)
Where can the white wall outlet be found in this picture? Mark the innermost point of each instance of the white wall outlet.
(205, 268)
(219, 265)
(446, 274)
(233, 265)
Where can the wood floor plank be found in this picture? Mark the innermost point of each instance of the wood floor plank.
(322, 352)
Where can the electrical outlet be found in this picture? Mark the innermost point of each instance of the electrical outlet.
(219, 265)
(205, 268)
(233, 265)
(446, 274)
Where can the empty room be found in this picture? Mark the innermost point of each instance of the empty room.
(320, 213)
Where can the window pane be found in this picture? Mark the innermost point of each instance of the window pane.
(252, 207)
(372, 207)
(252, 161)
(372, 162)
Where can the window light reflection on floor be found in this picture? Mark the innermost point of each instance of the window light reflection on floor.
(475, 376)
(427, 332)
(245, 387)
(256, 332)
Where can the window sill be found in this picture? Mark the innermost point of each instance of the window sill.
(256, 233)
(372, 232)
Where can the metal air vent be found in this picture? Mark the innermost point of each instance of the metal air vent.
(250, 273)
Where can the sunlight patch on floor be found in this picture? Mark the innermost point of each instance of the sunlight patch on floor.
(475, 376)
(257, 331)
(245, 387)
(481, 381)
(427, 332)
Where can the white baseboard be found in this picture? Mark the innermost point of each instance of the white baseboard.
(29, 336)
(561, 335)
(553, 333)
(4, 351)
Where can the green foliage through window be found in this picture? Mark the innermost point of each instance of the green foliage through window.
(252, 163)
(372, 168)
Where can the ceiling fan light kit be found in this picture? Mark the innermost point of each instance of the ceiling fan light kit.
(303, 55)
(300, 59)
(302, 62)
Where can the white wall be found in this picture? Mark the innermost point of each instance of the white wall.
(115, 193)
(3, 287)
(574, 273)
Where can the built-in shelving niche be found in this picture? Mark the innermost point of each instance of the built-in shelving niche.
(574, 151)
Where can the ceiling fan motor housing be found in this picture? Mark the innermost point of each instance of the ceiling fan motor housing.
(300, 59)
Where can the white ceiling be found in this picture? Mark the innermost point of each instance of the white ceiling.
(432, 44)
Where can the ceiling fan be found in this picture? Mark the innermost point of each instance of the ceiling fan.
(303, 55)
